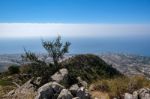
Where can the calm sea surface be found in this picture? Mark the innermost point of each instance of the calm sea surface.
(81, 45)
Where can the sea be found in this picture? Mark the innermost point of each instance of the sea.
(138, 46)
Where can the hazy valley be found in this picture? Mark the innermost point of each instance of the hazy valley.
(126, 63)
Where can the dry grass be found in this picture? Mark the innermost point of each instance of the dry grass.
(99, 95)
(28, 95)
(5, 89)
(118, 86)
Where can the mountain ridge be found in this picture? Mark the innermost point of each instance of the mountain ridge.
(127, 64)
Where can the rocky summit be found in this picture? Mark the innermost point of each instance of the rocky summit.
(50, 90)
(79, 77)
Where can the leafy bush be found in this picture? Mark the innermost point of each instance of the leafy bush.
(13, 69)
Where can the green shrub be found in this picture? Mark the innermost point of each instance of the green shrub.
(13, 69)
(39, 69)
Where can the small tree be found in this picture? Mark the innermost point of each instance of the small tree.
(56, 49)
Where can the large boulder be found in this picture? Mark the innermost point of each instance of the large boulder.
(60, 76)
(73, 89)
(144, 93)
(49, 90)
(65, 94)
(82, 93)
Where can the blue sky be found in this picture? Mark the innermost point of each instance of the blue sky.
(75, 11)
(80, 18)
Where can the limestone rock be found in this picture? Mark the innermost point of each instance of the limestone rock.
(135, 95)
(48, 90)
(144, 93)
(128, 96)
(82, 93)
(65, 94)
(82, 82)
(38, 80)
(73, 89)
(60, 76)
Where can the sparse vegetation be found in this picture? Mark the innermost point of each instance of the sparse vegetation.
(5, 89)
(5, 82)
(5, 85)
(119, 85)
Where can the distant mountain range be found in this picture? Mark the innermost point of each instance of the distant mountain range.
(126, 63)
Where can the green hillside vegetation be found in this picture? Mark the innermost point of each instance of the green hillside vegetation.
(89, 67)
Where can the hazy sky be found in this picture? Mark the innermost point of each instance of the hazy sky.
(92, 18)
(26, 30)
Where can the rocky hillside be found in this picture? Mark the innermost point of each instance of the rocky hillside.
(71, 81)
(81, 77)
